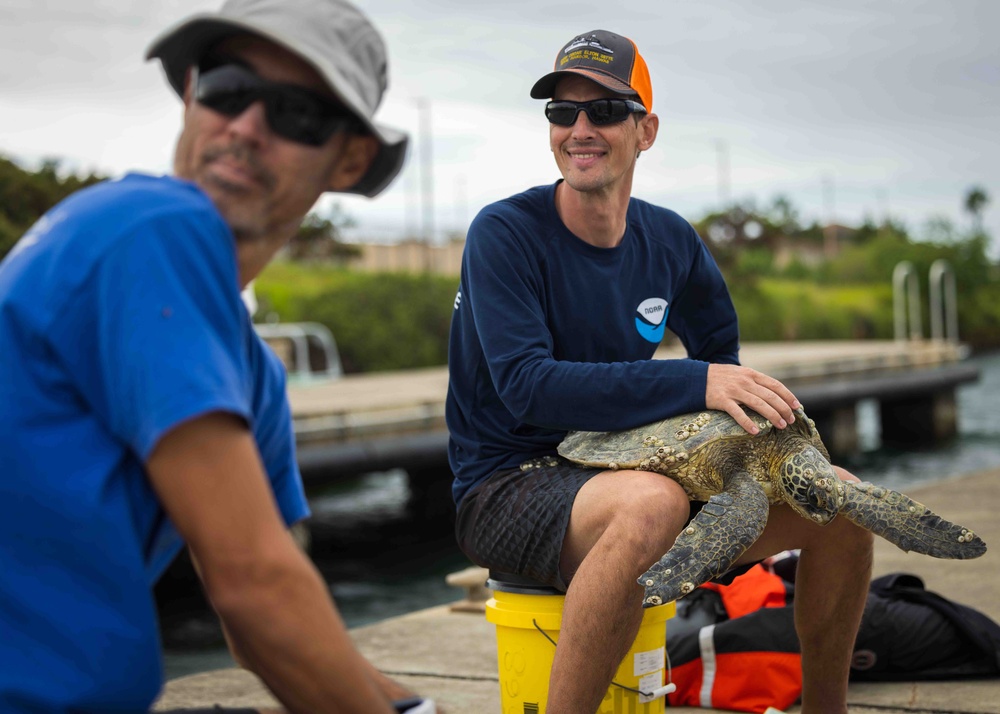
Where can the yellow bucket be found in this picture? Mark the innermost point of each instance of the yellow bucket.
(525, 655)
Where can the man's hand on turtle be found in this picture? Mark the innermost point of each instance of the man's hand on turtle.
(731, 386)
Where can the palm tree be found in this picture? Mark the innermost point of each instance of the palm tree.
(976, 200)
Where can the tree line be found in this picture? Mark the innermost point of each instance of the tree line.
(790, 279)
(25, 195)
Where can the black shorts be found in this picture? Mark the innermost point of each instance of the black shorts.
(515, 521)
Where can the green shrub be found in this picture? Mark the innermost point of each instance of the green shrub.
(781, 309)
(391, 321)
(380, 321)
(979, 317)
(25, 195)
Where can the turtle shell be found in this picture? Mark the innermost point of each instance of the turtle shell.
(674, 439)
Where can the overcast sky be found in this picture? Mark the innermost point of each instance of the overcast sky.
(848, 107)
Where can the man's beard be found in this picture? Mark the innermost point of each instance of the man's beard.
(246, 220)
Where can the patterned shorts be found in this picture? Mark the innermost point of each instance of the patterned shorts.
(515, 521)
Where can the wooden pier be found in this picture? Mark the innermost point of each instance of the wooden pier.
(913, 382)
(370, 422)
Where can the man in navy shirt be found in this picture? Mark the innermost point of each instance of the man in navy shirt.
(140, 410)
(565, 293)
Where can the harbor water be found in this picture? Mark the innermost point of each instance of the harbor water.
(976, 448)
(380, 562)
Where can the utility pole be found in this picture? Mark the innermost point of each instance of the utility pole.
(426, 178)
(411, 214)
(461, 220)
(830, 231)
(883, 201)
(722, 172)
(427, 168)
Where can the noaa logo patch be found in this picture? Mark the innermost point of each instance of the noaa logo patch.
(652, 319)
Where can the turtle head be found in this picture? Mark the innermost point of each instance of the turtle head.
(810, 486)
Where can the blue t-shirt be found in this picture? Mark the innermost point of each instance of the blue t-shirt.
(120, 317)
(551, 334)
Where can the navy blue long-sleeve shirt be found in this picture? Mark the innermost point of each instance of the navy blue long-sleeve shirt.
(552, 334)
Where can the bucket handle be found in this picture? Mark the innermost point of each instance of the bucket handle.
(657, 693)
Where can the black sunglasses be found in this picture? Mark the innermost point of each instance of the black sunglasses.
(292, 112)
(601, 112)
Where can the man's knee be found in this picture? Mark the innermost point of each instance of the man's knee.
(843, 474)
(844, 540)
(639, 512)
(664, 503)
(651, 511)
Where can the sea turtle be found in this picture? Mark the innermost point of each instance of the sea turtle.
(715, 460)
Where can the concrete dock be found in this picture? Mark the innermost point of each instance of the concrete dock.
(450, 654)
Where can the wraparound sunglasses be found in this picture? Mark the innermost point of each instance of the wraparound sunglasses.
(601, 112)
(292, 112)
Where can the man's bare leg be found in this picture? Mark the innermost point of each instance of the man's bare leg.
(830, 593)
(621, 523)
(831, 587)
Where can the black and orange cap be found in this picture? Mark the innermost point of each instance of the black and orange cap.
(610, 60)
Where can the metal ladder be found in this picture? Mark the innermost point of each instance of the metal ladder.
(942, 302)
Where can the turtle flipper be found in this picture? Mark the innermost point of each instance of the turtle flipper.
(908, 524)
(715, 538)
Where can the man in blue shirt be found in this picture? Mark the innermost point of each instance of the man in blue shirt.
(140, 410)
(565, 293)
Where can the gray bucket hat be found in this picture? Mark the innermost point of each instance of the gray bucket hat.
(331, 35)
